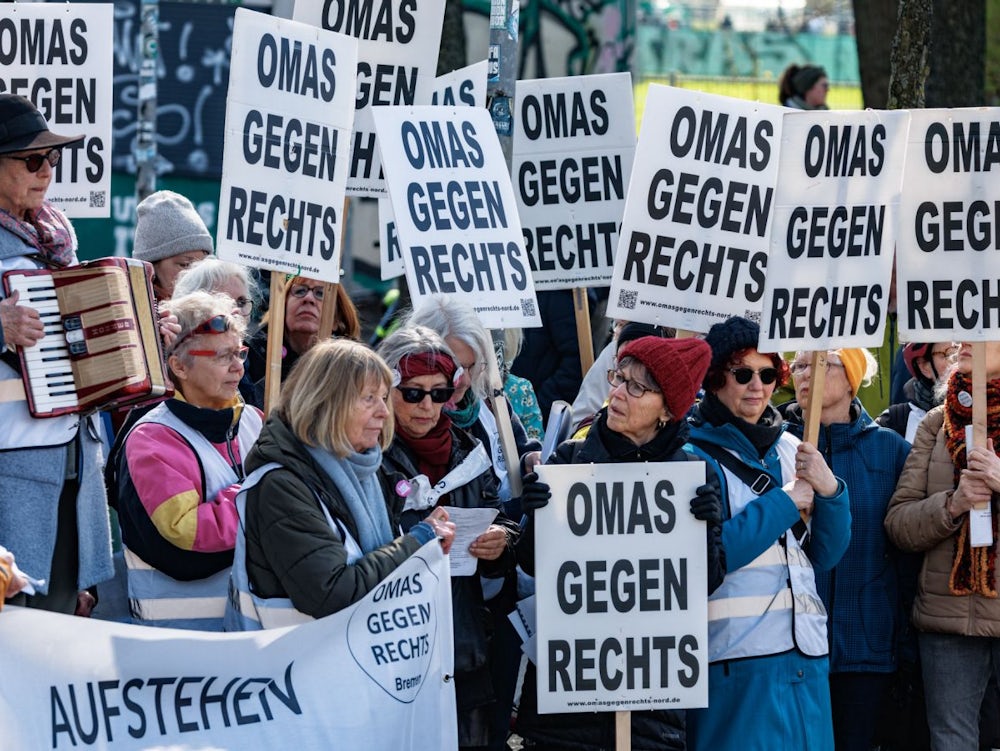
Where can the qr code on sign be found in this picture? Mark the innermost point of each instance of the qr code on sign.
(627, 298)
(528, 307)
(97, 198)
(753, 315)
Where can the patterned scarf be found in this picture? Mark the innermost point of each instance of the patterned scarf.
(48, 231)
(973, 570)
(466, 412)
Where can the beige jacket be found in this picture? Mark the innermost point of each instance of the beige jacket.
(918, 521)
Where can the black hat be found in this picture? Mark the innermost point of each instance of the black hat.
(22, 127)
(632, 330)
(732, 335)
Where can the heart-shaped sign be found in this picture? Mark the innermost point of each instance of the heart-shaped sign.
(392, 633)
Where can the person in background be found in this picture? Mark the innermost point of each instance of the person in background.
(957, 608)
(431, 464)
(53, 509)
(520, 394)
(767, 626)
(652, 388)
(928, 364)
(303, 308)
(803, 87)
(861, 593)
(320, 534)
(180, 470)
(170, 234)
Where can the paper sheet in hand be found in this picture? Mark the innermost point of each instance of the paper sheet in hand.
(469, 524)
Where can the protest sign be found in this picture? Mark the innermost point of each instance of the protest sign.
(60, 57)
(573, 150)
(621, 585)
(398, 42)
(948, 273)
(836, 209)
(375, 675)
(455, 211)
(288, 120)
(466, 86)
(694, 238)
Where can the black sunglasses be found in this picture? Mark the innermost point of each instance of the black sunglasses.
(439, 395)
(743, 376)
(34, 162)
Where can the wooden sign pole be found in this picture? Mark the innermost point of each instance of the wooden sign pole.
(623, 731)
(581, 306)
(812, 413)
(275, 341)
(979, 406)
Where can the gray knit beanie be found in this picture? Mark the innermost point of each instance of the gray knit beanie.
(167, 224)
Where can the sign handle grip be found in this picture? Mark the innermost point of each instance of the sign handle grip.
(979, 433)
(811, 415)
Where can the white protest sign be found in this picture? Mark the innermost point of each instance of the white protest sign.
(376, 675)
(694, 238)
(833, 237)
(622, 589)
(60, 57)
(573, 149)
(466, 86)
(284, 166)
(455, 211)
(398, 43)
(948, 270)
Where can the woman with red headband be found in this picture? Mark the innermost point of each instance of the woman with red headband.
(430, 464)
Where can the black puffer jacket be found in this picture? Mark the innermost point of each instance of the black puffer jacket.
(655, 730)
(473, 621)
(291, 550)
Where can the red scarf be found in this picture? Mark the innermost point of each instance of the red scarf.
(432, 451)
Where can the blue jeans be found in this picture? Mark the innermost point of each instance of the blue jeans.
(956, 670)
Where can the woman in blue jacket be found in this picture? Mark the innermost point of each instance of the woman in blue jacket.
(767, 641)
(861, 593)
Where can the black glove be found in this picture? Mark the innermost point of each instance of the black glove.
(535, 495)
(706, 506)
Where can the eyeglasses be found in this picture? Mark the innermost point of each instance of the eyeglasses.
(244, 305)
(301, 290)
(632, 386)
(438, 394)
(950, 352)
(798, 368)
(222, 358)
(214, 325)
(35, 161)
(743, 376)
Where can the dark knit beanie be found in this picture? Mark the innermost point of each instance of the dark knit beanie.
(632, 331)
(806, 77)
(729, 336)
(677, 365)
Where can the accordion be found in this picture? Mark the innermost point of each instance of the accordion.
(101, 347)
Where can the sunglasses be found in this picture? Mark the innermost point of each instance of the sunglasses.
(301, 290)
(743, 376)
(438, 395)
(34, 162)
(214, 325)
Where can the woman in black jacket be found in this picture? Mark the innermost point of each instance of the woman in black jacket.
(652, 389)
(431, 464)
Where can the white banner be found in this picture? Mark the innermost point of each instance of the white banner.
(948, 273)
(376, 675)
(694, 239)
(59, 55)
(288, 121)
(573, 149)
(398, 43)
(621, 588)
(456, 215)
(834, 231)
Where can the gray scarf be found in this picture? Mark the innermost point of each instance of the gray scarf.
(354, 476)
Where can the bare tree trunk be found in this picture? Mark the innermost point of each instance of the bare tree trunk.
(992, 86)
(910, 53)
(958, 46)
(875, 27)
(452, 54)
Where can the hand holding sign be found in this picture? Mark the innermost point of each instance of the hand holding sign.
(811, 467)
(986, 465)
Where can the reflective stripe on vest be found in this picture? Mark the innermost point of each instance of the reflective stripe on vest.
(156, 599)
(245, 611)
(770, 605)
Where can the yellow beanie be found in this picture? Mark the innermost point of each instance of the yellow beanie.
(855, 366)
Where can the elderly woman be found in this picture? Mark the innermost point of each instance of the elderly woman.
(53, 511)
(767, 635)
(432, 463)
(861, 593)
(180, 470)
(170, 234)
(652, 387)
(320, 533)
(303, 308)
(957, 609)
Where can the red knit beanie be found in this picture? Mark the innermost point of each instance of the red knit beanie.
(677, 365)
